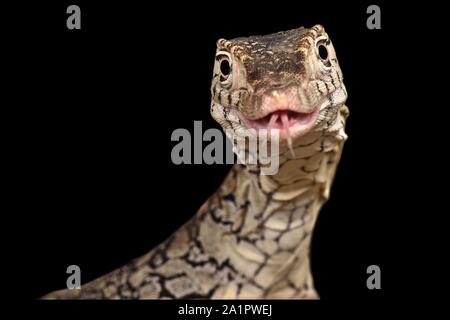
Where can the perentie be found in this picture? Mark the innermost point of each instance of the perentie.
(251, 238)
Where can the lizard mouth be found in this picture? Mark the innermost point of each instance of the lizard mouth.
(288, 124)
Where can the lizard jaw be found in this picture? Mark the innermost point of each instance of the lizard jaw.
(288, 123)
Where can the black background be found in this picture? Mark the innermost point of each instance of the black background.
(94, 109)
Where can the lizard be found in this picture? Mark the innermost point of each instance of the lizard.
(251, 239)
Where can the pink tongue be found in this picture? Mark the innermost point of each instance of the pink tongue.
(285, 121)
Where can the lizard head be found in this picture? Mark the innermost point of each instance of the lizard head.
(287, 81)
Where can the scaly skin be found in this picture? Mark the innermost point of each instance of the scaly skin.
(251, 238)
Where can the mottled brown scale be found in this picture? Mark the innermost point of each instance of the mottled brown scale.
(271, 61)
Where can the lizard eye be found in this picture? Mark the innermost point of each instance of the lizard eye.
(322, 52)
(225, 68)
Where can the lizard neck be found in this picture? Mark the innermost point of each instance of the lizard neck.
(265, 223)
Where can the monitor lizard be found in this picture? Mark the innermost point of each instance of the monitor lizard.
(251, 238)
